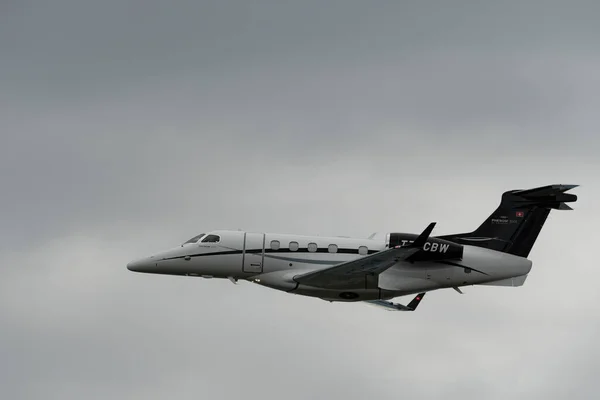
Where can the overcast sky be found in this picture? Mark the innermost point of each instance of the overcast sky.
(129, 126)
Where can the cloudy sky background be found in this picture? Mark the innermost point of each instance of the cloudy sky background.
(130, 126)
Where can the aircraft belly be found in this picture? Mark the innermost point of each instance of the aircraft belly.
(338, 295)
(441, 274)
(284, 281)
(407, 278)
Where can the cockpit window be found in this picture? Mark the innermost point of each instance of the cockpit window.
(195, 238)
(211, 239)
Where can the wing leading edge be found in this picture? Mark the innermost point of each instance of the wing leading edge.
(356, 271)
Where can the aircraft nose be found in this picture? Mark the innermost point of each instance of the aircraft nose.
(141, 265)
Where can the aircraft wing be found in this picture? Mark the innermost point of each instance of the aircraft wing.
(389, 306)
(355, 272)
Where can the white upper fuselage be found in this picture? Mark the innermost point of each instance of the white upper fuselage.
(274, 259)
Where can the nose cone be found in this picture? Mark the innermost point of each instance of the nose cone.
(141, 265)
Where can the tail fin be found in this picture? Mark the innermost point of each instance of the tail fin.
(517, 222)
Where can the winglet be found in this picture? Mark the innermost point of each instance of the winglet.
(415, 302)
(420, 241)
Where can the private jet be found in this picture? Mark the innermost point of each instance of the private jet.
(373, 271)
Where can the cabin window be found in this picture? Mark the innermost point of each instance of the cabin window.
(294, 246)
(312, 247)
(275, 245)
(363, 251)
(211, 239)
(195, 238)
(332, 248)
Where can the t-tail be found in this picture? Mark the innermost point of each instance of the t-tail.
(517, 222)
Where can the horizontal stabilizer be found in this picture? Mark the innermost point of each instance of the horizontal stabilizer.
(551, 196)
(548, 190)
(563, 206)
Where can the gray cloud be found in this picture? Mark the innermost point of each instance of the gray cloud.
(129, 126)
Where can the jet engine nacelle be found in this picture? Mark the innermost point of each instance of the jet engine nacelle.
(434, 248)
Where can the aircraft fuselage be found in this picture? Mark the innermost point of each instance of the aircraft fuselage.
(273, 260)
